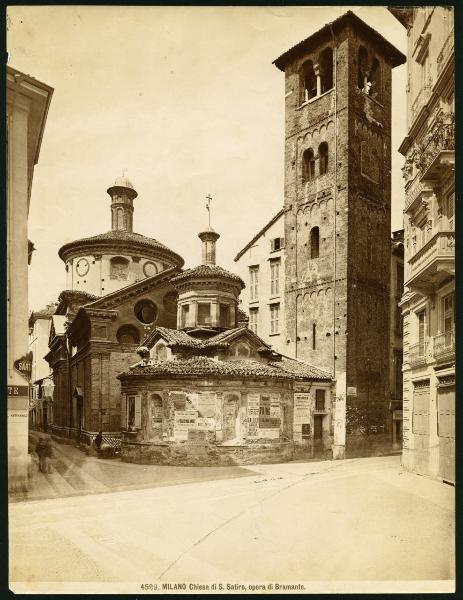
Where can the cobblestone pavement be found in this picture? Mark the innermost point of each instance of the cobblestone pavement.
(359, 520)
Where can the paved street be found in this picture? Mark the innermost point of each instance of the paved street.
(360, 519)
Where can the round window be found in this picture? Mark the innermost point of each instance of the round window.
(149, 269)
(146, 311)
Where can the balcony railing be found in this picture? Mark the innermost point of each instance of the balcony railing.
(422, 98)
(417, 354)
(434, 261)
(439, 140)
(414, 190)
(444, 346)
(446, 52)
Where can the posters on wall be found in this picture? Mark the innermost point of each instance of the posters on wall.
(266, 420)
(253, 415)
(183, 421)
(301, 414)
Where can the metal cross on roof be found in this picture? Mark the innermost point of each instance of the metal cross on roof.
(208, 207)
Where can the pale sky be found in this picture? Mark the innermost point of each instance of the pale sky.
(187, 100)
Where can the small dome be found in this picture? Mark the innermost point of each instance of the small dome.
(123, 182)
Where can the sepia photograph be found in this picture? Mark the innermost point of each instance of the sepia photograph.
(230, 299)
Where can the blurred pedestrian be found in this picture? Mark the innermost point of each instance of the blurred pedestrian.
(49, 454)
(40, 451)
(98, 440)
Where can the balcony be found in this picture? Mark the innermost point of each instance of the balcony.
(437, 151)
(444, 346)
(446, 53)
(433, 263)
(415, 191)
(417, 354)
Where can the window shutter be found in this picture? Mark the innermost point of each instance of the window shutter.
(282, 242)
(272, 245)
(124, 412)
(138, 411)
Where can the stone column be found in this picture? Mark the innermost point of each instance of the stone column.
(193, 314)
(316, 69)
(215, 314)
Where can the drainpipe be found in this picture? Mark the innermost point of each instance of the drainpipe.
(334, 195)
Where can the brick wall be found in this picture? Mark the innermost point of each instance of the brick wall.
(345, 291)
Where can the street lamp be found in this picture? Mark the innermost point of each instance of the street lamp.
(48, 388)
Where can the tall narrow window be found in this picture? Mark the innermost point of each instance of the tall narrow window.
(253, 319)
(314, 242)
(308, 165)
(254, 283)
(224, 315)
(204, 313)
(375, 79)
(274, 318)
(448, 212)
(308, 81)
(185, 312)
(323, 157)
(448, 318)
(421, 333)
(274, 277)
(326, 65)
(314, 336)
(319, 399)
(362, 65)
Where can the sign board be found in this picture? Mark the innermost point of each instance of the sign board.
(24, 365)
(301, 408)
(352, 391)
(18, 390)
(398, 415)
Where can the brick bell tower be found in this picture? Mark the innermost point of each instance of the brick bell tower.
(338, 211)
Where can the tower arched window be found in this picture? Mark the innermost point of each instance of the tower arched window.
(326, 69)
(375, 80)
(120, 219)
(308, 81)
(314, 242)
(323, 157)
(308, 165)
(362, 66)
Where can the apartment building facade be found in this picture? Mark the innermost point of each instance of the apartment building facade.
(261, 264)
(428, 303)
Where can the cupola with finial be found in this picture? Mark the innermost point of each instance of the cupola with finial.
(207, 294)
(122, 195)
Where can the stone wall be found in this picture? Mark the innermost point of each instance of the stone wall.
(205, 454)
(205, 421)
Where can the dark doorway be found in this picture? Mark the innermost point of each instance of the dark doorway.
(318, 427)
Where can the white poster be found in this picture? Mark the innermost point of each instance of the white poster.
(301, 408)
(253, 415)
(183, 421)
(275, 410)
